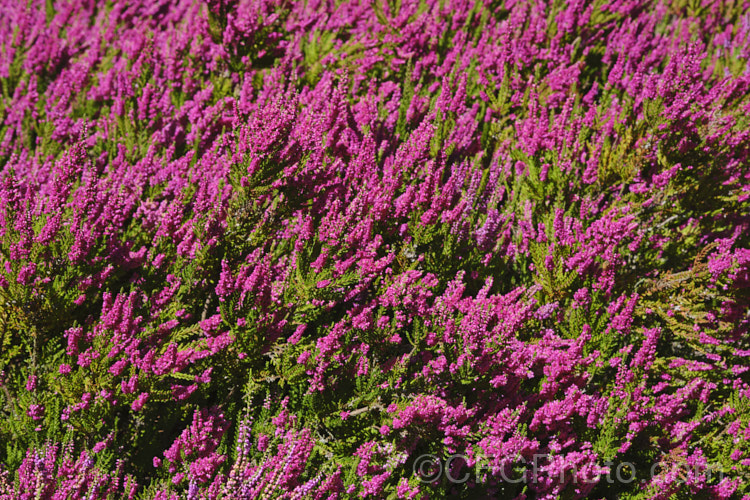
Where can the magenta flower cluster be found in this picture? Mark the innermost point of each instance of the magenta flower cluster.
(280, 249)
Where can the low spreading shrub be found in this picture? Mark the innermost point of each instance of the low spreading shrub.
(381, 249)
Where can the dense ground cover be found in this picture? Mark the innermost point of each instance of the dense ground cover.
(288, 249)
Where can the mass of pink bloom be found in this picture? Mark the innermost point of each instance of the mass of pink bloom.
(385, 249)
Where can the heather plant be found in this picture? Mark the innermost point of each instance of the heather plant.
(274, 249)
